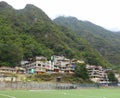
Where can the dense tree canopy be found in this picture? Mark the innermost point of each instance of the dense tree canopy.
(81, 71)
(111, 77)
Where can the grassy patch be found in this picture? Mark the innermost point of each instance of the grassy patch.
(81, 93)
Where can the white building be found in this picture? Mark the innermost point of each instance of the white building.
(97, 73)
(40, 64)
(62, 64)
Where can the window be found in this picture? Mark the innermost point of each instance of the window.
(39, 64)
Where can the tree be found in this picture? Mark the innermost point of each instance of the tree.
(11, 54)
(111, 77)
(81, 71)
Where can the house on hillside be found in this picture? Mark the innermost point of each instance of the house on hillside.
(8, 73)
(97, 73)
(62, 64)
(77, 61)
(39, 64)
(57, 64)
(7, 70)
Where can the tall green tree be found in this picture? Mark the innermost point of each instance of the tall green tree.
(81, 71)
(111, 77)
(10, 54)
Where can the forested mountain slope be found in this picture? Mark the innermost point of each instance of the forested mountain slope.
(105, 41)
(30, 32)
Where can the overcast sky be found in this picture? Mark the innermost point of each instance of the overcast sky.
(105, 13)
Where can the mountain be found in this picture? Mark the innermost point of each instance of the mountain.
(105, 41)
(30, 32)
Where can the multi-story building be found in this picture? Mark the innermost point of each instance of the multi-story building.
(62, 64)
(57, 64)
(39, 64)
(97, 73)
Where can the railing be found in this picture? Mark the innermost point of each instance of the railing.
(48, 86)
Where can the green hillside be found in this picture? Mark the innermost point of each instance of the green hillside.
(106, 42)
(30, 32)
